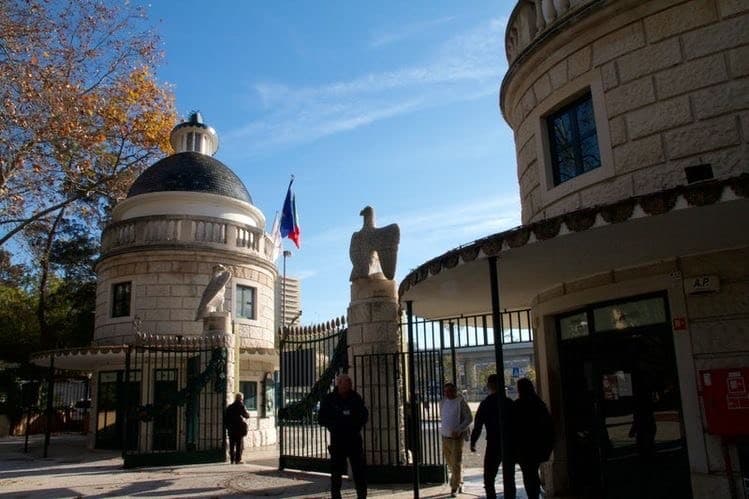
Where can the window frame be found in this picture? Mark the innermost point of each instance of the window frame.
(242, 385)
(570, 110)
(549, 194)
(238, 312)
(113, 311)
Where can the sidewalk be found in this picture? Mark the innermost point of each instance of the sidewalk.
(74, 471)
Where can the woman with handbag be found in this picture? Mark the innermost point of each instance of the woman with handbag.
(236, 427)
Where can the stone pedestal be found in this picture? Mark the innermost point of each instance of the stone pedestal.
(215, 323)
(373, 347)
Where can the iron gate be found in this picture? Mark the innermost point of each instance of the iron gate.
(408, 391)
(174, 402)
(391, 428)
(311, 357)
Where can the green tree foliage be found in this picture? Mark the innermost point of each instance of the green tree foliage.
(19, 332)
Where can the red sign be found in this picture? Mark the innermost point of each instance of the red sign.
(725, 395)
(680, 324)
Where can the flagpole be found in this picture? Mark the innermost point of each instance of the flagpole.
(286, 254)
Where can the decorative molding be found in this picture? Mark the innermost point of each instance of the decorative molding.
(658, 203)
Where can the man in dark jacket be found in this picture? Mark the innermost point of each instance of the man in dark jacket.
(535, 435)
(343, 413)
(487, 416)
(236, 427)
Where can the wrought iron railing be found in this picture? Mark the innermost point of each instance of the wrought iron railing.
(470, 331)
(311, 357)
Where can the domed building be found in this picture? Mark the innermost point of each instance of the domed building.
(632, 137)
(185, 307)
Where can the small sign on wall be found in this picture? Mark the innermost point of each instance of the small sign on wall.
(680, 323)
(702, 284)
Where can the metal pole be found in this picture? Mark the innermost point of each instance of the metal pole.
(415, 437)
(498, 353)
(453, 363)
(126, 403)
(286, 254)
(26, 437)
(281, 439)
(282, 403)
(50, 390)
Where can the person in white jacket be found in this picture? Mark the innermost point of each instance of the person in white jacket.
(456, 419)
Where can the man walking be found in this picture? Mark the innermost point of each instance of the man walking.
(343, 413)
(535, 434)
(487, 416)
(234, 421)
(456, 417)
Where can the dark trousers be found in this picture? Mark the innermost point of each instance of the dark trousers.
(492, 459)
(236, 446)
(531, 481)
(353, 451)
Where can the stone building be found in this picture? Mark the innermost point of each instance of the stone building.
(631, 127)
(183, 217)
(289, 300)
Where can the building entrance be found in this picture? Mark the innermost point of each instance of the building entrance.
(623, 415)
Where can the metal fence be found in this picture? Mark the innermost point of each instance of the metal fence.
(58, 401)
(401, 392)
(389, 437)
(470, 331)
(311, 357)
(174, 393)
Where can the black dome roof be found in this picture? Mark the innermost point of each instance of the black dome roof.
(192, 172)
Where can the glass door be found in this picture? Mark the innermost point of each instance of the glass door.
(622, 406)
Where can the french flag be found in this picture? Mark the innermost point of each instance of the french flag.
(289, 218)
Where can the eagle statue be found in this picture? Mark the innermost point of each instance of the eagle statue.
(213, 295)
(374, 250)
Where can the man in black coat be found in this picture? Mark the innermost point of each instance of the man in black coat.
(343, 413)
(488, 415)
(236, 427)
(534, 431)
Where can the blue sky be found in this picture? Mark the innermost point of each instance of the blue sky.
(388, 104)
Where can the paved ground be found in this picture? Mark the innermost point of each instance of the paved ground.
(73, 471)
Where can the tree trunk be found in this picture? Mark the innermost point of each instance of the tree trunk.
(47, 336)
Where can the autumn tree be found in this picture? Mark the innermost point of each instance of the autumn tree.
(81, 112)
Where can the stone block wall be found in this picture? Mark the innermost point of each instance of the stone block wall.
(719, 326)
(167, 287)
(373, 343)
(261, 431)
(670, 86)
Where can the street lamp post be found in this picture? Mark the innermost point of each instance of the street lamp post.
(281, 440)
